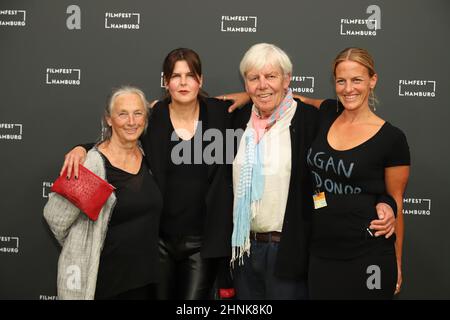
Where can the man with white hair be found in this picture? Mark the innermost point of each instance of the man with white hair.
(272, 184)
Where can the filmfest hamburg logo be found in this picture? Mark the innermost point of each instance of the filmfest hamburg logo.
(162, 80)
(122, 20)
(13, 18)
(10, 131)
(242, 24)
(46, 188)
(362, 26)
(9, 244)
(417, 88)
(417, 206)
(302, 84)
(47, 297)
(63, 76)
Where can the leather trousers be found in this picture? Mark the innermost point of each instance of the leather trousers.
(185, 275)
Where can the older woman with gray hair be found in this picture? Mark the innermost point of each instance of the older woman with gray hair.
(272, 184)
(115, 257)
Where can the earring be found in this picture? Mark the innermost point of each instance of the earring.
(337, 104)
(103, 132)
(372, 100)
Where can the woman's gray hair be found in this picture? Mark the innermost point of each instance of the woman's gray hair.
(262, 54)
(106, 129)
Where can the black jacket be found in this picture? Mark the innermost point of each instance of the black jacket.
(293, 250)
(218, 223)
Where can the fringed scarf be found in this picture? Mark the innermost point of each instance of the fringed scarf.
(250, 186)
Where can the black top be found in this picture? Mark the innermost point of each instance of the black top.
(129, 258)
(217, 222)
(186, 184)
(352, 181)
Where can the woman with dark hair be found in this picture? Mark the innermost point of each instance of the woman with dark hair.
(196, 223)
(197, 217)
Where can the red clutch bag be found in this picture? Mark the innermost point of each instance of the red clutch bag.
(88, 193)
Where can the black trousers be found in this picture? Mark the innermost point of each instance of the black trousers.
(369, 277)
(185, 275)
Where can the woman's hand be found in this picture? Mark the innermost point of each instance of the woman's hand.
(239, 99)
(385, 224)
(152, 104)
(73, 159)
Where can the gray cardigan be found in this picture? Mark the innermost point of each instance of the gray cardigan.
(81, 239)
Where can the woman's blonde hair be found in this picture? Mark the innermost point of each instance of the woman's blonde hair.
(364, 58)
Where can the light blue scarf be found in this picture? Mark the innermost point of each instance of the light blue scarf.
(250, 187)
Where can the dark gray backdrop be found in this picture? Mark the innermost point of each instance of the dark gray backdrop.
(41, 121)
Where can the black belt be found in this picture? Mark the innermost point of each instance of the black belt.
(273, 236)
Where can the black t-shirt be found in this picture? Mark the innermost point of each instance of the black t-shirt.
(352, 180)
(129, 258)
(187, 183)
